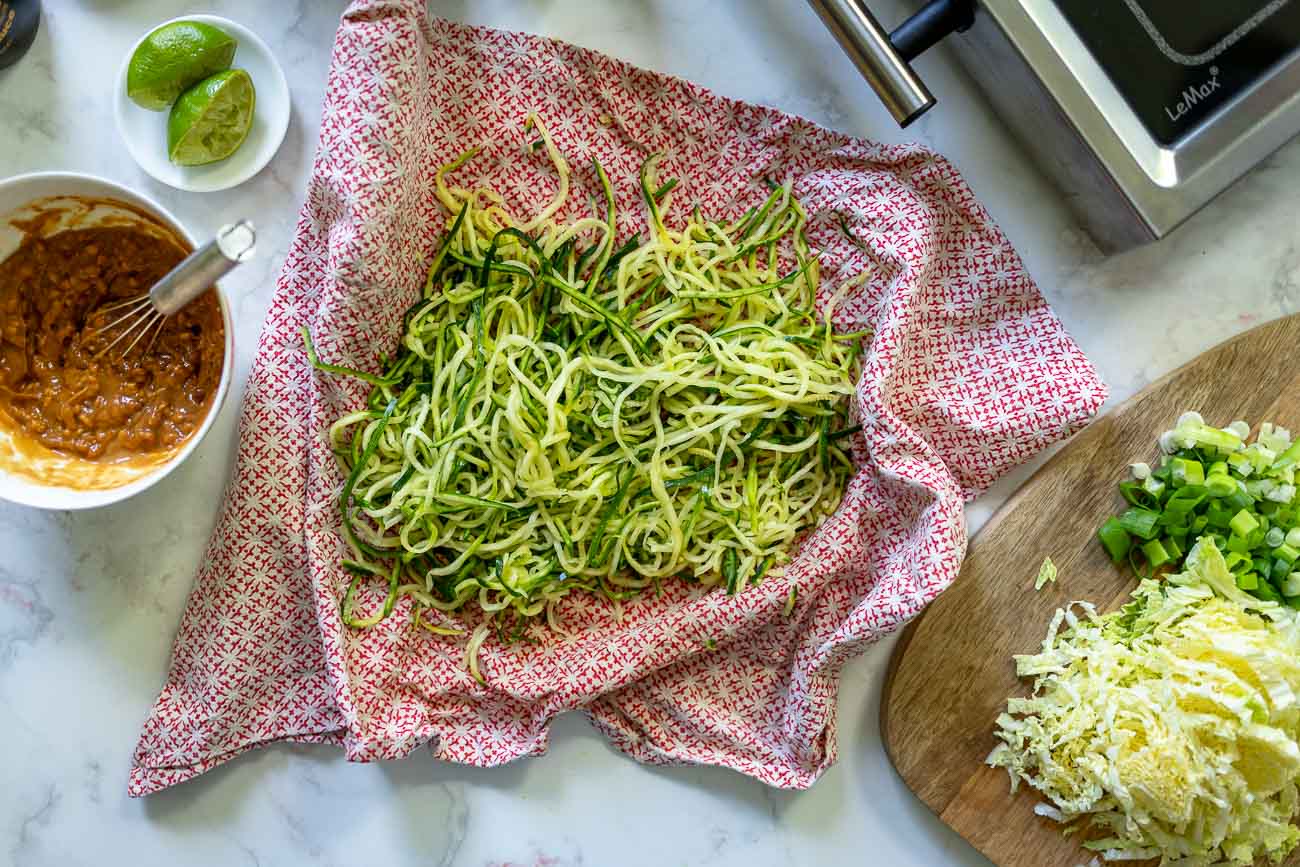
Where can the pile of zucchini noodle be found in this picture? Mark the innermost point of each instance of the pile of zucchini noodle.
(568, 412)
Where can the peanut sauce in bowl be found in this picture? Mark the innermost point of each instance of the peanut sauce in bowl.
(82, 423)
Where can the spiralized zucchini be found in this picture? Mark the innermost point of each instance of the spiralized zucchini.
(568, 412)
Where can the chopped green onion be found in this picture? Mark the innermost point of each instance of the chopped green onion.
(1115, 539)
(1218, 515)
(1140, 522)
(1290, 585)
(1156, 553)
(1233, 560)
(1219, 484)
(1243, 523)
(1239, 500)
(1184, 500)
(1187, 472)
(1268, 592)
(1211, 483)
(1137, 495)
(1288, 458)
(1202, 434)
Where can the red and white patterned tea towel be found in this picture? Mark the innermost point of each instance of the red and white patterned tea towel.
(969, 373)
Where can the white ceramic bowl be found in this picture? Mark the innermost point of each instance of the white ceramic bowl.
(21, 191)
(145, 131)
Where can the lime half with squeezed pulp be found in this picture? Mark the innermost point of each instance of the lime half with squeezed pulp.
(174, 57)
(211, 119)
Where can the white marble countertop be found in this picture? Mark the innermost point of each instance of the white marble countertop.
(89, 602)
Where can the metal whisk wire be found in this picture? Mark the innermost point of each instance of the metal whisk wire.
(143, 314)
(142, 310)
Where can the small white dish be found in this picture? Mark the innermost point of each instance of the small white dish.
(145, 132)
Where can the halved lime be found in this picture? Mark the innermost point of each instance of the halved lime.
(211, 119)
(172, 58)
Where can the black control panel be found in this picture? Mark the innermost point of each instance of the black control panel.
(1176, 62)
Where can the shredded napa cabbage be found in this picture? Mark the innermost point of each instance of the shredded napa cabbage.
(1167, 729)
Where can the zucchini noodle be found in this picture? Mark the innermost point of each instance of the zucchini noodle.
(571, 412)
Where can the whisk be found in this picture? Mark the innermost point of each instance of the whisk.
(143, 314)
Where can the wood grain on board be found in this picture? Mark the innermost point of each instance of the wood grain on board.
(952, 672)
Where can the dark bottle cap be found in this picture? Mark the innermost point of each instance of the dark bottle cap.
(19, 20)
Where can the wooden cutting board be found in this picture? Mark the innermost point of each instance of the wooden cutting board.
(952, 670)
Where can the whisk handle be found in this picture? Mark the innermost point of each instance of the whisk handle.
(199, 270)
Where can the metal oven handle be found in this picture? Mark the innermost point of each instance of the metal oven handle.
(883, 58)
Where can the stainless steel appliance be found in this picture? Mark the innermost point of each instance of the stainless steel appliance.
(1141, 110)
